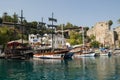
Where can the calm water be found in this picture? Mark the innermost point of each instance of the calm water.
(102, 68)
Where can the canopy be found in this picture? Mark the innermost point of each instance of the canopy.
(20, 41)
(16, 42)
(13, 43)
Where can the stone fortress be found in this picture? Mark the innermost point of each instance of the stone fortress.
(103, 34)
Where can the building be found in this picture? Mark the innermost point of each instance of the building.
(45, 41)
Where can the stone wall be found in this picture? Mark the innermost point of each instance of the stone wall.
(117, 40)
(102, 32)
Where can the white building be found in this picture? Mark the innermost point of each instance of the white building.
(46, 40)
(34, 39)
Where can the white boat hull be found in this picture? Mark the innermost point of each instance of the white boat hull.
(105, 54)
(54, 56)
(84, 55)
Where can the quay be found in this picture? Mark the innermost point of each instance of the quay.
(22, 55)
(2, 56)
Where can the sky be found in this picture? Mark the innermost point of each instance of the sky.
(78, 12)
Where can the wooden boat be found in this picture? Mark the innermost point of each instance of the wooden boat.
(90, 54)
(49, 54)
(16, 50)
(83, 51)
(87, 54)
(53, 53)
(79, 52)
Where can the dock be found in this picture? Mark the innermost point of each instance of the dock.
(2, 56)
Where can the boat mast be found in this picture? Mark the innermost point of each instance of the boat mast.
(84, 65)
(62, 36)
(52, 33)
(83, 37)
(41, 24)
(22, 24)
(52, 25)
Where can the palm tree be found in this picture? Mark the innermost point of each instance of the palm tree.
(110, 22)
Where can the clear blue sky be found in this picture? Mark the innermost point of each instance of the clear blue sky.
(77, 12)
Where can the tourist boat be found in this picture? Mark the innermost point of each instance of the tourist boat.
(84, 53)
(82, 50)
(49, 54)
(90, 54)
(16, 50)
(53, 53)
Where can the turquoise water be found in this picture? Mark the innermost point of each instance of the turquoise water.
(101, 68)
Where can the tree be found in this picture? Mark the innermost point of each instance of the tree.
(75, 38)
(8, 34)
(119, 21)
(1, 20)
(7, 18)
(110, 22)
(92, 37)
(15, 18)
(95, 44)
(68, 25)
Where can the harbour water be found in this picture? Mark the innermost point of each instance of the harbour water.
(88, 68)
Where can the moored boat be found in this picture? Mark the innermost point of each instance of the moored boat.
(89, 54)
(83, 52)
(15, 50)
(49, 54)
(105, 52)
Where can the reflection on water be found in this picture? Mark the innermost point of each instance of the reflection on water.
(88, 68)
(14, 70)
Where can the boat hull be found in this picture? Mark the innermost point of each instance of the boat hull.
(49, 56)
(63, 54)
(106, 54)
(85, 55)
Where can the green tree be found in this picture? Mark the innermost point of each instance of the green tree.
(15, 18)
(1, 20)
(75, 38)
(110, 22)
(7, 18)
(34, 24)
(68, 25)
(8, 34)
(3, 35)
(95, 44)
(92, 37)
(118, 21)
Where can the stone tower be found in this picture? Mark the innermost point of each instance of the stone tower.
(103, 34)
